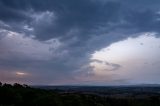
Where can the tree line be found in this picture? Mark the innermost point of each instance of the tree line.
(23, 95)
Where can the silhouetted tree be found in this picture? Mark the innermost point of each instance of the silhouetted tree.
(0, 84)
(7, 85)
(16, 85)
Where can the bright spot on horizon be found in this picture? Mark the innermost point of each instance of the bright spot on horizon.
(21, 74)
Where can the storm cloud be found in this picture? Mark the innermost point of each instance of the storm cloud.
(54, 39)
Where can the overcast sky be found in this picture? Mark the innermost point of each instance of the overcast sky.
(82, 42)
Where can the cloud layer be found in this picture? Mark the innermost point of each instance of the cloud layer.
(53, 40)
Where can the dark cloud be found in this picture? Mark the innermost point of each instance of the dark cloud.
(86, 17)
(83, 16)
(144, 20)
(82, 26)
(113, 65)
(98, 61)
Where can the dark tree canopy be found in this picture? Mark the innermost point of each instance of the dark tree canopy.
(23, 95)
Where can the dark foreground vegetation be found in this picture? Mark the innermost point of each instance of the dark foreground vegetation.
(23, 95)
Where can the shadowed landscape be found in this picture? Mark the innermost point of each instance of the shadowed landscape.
(23, 95)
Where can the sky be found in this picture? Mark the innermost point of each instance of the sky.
(80, 42)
